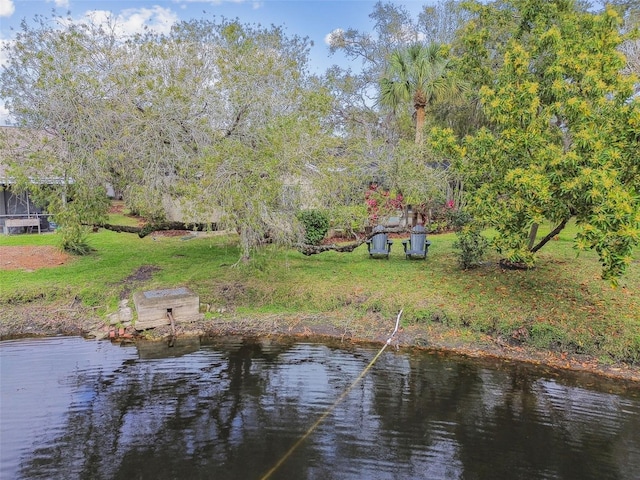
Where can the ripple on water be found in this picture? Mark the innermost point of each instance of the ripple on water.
(84, 409)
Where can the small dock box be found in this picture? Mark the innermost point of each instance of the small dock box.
(154, 306)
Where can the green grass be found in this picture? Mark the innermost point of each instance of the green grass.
(123, 218)
(562, 304)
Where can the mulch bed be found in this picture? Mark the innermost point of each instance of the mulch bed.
(31, 257)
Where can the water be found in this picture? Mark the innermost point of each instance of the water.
(232, 409)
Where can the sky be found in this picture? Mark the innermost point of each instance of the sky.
(315, 19)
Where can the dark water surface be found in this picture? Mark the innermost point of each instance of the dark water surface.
(77, 409)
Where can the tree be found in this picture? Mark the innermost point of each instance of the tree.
(563, 137)
(218, 118)
(377, 131)
(630, 10)
(368, 133)
(395, 28)
(54, 82)
(268, 134)
(374, 137)
(421, 75)
(394, 31)
(440, 23)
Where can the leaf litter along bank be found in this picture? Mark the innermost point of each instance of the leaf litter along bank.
(42, 318)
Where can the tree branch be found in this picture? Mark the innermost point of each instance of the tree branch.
(119, 228)
(302, 248)
(314, 249)
(348, 247)
(156, 227)
(236, 121)
(552, 234)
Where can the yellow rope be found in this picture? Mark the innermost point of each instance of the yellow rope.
(332, 407)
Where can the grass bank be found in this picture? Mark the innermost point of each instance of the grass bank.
(561, 305)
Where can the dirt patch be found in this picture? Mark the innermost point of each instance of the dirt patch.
(142, 274)
(31, 257)
(230, 292)
(116, 207)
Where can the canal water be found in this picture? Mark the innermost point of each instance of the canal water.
(245, 409)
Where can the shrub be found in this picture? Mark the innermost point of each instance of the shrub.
(471, 246)
(316, 225)
(350, 219)
(73, 239)
(457, 218)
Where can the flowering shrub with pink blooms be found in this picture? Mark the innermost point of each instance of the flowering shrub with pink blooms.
(380, 202)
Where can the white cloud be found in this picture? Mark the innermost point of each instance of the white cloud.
(135, 20)
(334, 37)
(5, 118)
(7, 8)
(61, 3)
(4, 57)
(255, 4)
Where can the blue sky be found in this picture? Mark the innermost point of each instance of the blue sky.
(312, 18)
(308, 18)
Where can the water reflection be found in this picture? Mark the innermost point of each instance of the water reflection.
(232, 408)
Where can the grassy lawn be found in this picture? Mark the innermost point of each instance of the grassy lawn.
(562, 304)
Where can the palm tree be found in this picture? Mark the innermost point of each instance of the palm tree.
(419, 73)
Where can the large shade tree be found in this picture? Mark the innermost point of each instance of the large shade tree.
(563, 138)
(56, 81)
(267, 132)
(202, 118)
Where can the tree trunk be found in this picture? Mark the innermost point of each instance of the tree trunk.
(155, 227)
(315, 249)
(405, 217)
(245, 244)
(532, 235)
(552, 234)
(420, 118)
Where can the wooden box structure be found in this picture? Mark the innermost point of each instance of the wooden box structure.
(154, 307)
